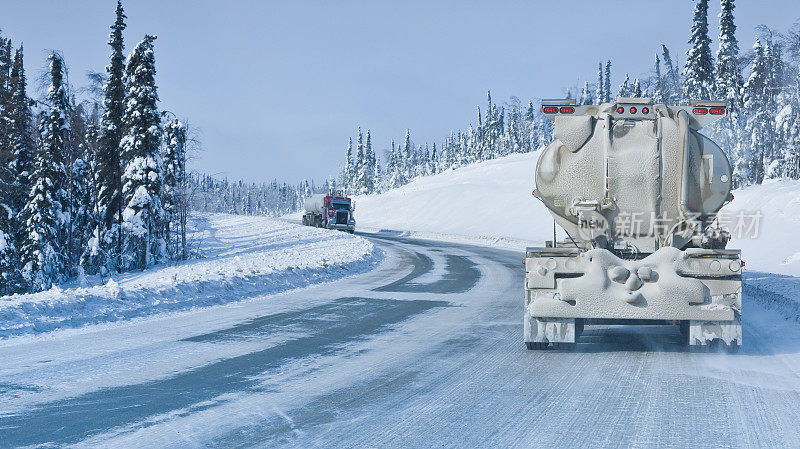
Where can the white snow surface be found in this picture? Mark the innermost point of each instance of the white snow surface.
(492, 203)
(488, 199)
(776, 248)
(243, 257)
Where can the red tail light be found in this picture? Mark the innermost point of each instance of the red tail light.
(700, 111)
(633, 110)
(716, 111)
(550, 110)
(567, 110)
(645, 110)
(620, 110)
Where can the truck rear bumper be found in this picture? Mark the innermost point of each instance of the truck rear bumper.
(699, 286)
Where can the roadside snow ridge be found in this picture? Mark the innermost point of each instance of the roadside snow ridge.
(244, 257)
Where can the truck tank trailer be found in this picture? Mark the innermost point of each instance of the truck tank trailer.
(637, 188)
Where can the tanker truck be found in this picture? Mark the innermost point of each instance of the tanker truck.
(636, 188)
(329, 211)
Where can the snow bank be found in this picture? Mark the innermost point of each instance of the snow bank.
(776, 247)
(244, 257)
(492, 202)
(488, 199)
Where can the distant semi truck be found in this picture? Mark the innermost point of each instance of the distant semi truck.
(330, 212)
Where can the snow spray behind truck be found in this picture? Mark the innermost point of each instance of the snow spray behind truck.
(637, 189)
(329, 211)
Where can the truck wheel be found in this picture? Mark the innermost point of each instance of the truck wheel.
(352, 231)
(305, 221)
(564, 346)
(536, 345)
(580, 323)
(683, 326)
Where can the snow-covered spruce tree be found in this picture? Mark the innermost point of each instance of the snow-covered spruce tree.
(787, 127)
(9, 274)
(434, 160)
(370, 163)
(174, 188)
(759, 125)
(398, 173)
(425, 161)
(729, 82)
(406, 159)
(515, 136)
(80, 203)
(777, 97)
(698, 73)
(607, 83)
(636, 90)
(378, 173)
(672, 79)
(15, 180)
(6, 119)
(5, 101)
(108, 171)
(599, 95)
(359, 172)
(787, 130)
(93, 258)
(44, 215)
(491, 132)
(142, 218)
(625, 88)
(658, 82)
(347, 171)
(23, 146)
(586, 94)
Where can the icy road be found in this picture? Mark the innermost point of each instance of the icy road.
(423, 351)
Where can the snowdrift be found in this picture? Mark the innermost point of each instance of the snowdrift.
(488, 199)
(245, 257)
(772, 245)
(493, 199)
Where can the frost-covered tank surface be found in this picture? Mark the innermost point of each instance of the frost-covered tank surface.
(636, 187)
(315, 203)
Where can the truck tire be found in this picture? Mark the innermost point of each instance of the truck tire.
(534, 345)
(352, 231)
(304, 221)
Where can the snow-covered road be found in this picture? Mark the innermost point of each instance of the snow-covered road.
(423, 351)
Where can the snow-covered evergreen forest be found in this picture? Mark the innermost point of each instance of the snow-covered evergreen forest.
(93, 186)
(100, 185)
(208, 194)
(761, 135)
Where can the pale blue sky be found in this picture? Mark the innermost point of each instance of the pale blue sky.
(276, 88)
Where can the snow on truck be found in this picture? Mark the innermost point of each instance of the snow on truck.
(637, 188)
(329, 211)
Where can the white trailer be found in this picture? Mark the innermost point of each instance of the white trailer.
(637, 189)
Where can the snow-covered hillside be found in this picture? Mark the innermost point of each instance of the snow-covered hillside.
(244, 256)
(493, 199)
(776, 247)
